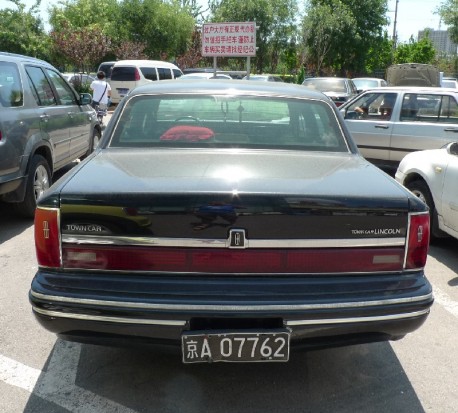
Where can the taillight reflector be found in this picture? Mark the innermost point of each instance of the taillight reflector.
(267, 261)
(418, 241)
(47, 243)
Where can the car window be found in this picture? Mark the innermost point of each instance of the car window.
(39, 83)
(149, 73)
(123, 74)
(64, 91)
(221, 121)
(177, 73)
(11, 94)
(429, 108)
(372, 106)
(164, 73)
(326, 85)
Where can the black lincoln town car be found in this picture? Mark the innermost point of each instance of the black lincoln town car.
(236, 221)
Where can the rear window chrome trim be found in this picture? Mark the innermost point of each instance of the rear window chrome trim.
(216, 308)
(224, 243)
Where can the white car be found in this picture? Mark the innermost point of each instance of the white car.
(432, 175)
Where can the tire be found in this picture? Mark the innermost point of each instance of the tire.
(38, 180)
(421, 190)
(94, 142)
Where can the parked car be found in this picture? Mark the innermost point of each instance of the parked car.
(44, 126)
(205, 75)
(73, 78)
(364, 83)
(450, 82)
(264, 78)
(432, 175)
(338, 89)
(415, 119)
(236, 219)
(128, 74)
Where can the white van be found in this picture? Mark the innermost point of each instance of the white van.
(128, 74)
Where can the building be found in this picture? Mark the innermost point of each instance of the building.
(440, 39)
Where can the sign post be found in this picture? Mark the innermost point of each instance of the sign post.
(229, 40)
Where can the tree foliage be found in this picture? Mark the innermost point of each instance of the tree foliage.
(84, 47)
(322, 30)
(448, 12)
(415, 52)
(21, 30)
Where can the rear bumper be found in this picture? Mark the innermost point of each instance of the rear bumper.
(318, 310)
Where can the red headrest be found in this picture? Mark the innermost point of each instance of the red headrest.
(187, 133)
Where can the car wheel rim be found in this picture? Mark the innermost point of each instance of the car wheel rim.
(95, 142)
(41, 181)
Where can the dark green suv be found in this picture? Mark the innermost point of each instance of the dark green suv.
(44, 126)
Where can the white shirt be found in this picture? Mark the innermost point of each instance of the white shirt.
(98, 86)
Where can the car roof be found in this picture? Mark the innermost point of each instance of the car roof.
(413, 89)
(19, 57)
(145, 62)
(224, 86)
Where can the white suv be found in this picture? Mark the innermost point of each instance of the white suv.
(128, 74)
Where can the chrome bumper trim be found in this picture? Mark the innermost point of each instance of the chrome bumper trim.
(223, 243)
(355, 319)
(213, 307)
(121, 320)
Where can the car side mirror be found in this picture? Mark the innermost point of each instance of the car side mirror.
(453, 148)
(85, 98)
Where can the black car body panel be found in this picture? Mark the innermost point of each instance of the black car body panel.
(162, 240)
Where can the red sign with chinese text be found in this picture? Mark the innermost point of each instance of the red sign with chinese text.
(229, 39)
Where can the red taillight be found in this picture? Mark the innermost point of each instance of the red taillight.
(216, 261)
(47, 243)
(418, 241)
(137, 75)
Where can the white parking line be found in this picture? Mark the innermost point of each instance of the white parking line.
(17, 374)
(445, 301)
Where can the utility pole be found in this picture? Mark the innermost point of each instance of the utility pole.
(395, 37)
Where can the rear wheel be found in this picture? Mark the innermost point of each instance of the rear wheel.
(94, 142)
(421, 190)
(38, 181)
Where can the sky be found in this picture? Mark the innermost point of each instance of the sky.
(412, 15)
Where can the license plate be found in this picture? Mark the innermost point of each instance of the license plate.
(122, 91)
(264, 346)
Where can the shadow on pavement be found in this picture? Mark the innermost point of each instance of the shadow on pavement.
(364, 378)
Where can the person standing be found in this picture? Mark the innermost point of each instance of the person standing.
(101, 90)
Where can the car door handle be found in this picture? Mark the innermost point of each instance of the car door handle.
(382, 126)
(455, 130)
(44, 117)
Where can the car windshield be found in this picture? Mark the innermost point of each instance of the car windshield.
(228, 121)
(326, 85)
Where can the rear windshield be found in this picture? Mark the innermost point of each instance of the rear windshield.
(326, 85)
(228, 121)
(123, 74)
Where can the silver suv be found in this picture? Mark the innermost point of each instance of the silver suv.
(44, 126)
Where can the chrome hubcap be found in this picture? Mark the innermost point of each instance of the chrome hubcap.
(41, 181)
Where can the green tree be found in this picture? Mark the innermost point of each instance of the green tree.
(276, 26)
(448, 12)
(21, 30)
(361, 31)
(165, 27)
(415, 52)
(322, 30)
